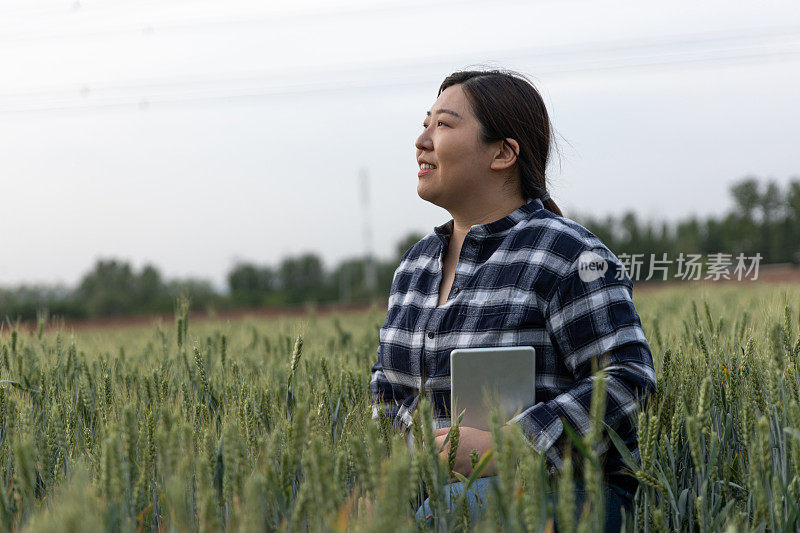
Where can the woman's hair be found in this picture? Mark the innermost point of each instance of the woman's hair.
(507, 105)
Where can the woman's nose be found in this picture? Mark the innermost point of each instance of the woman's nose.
(424, 142)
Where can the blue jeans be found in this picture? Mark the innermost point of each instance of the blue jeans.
(615, 498)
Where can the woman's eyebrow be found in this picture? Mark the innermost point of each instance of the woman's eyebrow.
(445, 110)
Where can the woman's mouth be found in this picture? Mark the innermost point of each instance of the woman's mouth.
(426, 168)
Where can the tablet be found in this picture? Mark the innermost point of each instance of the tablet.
(506, 374)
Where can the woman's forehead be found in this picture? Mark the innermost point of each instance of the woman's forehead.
(452, 98)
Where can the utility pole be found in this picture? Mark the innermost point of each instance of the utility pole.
(370, 275)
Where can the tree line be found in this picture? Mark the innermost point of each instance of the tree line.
(765, 220)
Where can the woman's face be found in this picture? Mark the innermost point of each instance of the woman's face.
(451, 143)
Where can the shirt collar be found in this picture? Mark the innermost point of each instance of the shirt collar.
(445, 230)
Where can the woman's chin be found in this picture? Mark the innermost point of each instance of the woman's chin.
(424, 191)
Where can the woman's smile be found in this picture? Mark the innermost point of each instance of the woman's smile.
(425, 168)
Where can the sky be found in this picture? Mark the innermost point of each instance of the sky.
(193, 135)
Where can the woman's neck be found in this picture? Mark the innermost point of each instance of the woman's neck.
(465, 218)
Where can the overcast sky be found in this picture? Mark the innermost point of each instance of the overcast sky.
(195, 134)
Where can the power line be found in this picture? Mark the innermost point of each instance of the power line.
(736, 38)
(248, 19)
(325, 87)
(401, 76)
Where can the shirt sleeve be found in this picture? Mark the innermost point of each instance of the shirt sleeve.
(380, 392)
(590, 314)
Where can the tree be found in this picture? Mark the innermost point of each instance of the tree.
(249, 284)
(793, 216)
(349, 280)
(793, 200)
(772, 202)
(149, 288)
(301, 276)
(746, 196)
(109, 289)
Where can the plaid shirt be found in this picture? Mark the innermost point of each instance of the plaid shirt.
(523, 280)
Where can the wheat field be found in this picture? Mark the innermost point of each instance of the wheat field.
(262, 425)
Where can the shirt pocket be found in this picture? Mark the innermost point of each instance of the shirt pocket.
(494, 317)
(499, 300)
(502, 322)
(507, 311)
(486, 327)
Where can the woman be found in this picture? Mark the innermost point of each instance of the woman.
(509, 270)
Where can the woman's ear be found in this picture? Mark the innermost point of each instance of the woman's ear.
(506, 155)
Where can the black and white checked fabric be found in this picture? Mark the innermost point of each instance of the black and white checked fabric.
(532, 278)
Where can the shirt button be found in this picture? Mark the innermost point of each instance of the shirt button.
(430, 334)
(455, 290)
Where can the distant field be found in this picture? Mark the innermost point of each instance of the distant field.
(238, 425)
(782, 274)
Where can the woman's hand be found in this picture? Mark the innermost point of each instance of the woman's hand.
(469, 438)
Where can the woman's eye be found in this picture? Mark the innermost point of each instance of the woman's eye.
(437, 123)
